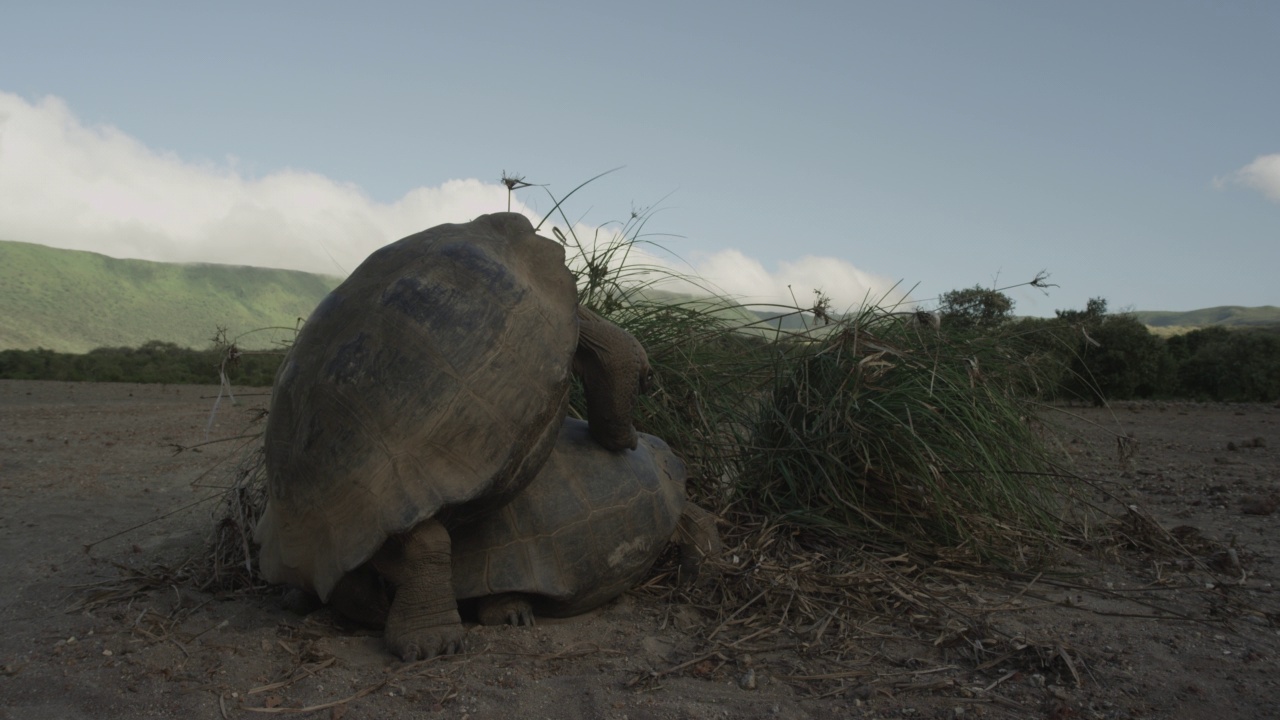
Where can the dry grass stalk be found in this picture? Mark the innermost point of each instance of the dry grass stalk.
(818, 613)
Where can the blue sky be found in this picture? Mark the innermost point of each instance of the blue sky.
(1132, 149)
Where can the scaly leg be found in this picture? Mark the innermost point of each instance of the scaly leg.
(423, 621)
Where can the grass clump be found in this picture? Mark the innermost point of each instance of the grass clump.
(873, 426)
(885, 430)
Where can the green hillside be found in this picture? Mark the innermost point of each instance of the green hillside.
(74, 301)
(1227, 315)
(732, 313)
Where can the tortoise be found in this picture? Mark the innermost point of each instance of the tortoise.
(586, 529)
(428, 388)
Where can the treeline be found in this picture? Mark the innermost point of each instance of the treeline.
(1096, 355)
(154, 362)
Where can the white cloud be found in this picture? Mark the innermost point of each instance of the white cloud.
(1263, 175)
(793, 282)
(68, 185)
(95, 188)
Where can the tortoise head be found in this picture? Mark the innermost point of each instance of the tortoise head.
(614, 369)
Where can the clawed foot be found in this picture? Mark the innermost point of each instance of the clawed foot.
(505, 610)
(428, 643)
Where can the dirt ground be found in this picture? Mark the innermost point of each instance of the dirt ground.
(90, 487)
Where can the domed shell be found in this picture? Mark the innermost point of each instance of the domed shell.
(587, 529)
(431, 383)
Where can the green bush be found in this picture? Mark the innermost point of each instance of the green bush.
(154, 362)
(1216, 364)
(1120, 359)
(974, 308)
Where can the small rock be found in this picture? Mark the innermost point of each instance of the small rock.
(860, 692)
(686, 617)
(656, 650)
(748, 680)
(1225, 560)
(1260, 504)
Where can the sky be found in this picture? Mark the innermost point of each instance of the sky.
(868, 149)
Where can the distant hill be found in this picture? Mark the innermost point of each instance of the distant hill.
(1227, 315)
(761, 320)
(74, 301)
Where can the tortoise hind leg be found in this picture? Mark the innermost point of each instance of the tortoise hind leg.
(698, 540)
(505, 609)
(423, 621)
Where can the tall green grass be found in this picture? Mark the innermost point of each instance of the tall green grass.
(873, 426)
(886, 430)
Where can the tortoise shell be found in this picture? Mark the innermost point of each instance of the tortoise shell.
(587, 529)
(431, 383)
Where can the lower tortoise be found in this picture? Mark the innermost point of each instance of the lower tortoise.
(586, 529)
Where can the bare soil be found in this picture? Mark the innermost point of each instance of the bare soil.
(96, 509)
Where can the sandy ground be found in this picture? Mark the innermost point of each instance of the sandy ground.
(91, 489)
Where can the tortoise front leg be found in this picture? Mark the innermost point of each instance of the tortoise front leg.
(614, 369)
(423, 621)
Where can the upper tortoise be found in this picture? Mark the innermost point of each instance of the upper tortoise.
(429, 388)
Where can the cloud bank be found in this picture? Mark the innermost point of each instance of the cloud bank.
(1263, 175)
(69, 185)
(794, 282)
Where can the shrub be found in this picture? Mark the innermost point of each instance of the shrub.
(1217, 364)
(974, 308)
(1120, 359)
